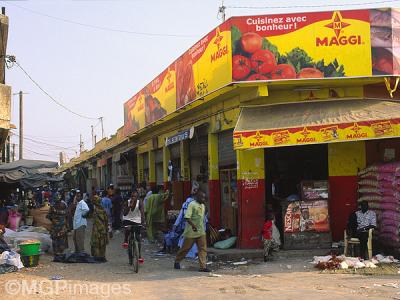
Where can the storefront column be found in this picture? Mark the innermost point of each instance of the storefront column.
(251, 197)
(152, 169)
(166, 159)
(140, 168)
(344, 162)
(213, 181)
(185, 167)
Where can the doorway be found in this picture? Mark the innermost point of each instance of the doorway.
(286, 168)
(229, 205)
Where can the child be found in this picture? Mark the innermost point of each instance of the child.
(270, 237)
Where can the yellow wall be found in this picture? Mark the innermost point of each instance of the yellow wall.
(222, 112)
(250, 164)
(213, 156)
(346, 159)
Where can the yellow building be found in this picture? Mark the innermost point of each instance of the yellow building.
(261, 109)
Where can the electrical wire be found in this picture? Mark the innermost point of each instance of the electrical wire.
(11, 60)
(315, 6)
(152, 34)
(43, 143)
(37, 153)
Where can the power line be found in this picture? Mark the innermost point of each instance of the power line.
(102, 27)
(43, 143)
(49, 147)
(37, 153)
(10, 60)
(314, 6)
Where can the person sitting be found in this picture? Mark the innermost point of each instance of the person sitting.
(366, 219)
(270, 237)
(352, 225)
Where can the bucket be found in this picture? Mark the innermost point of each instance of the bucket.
(29, 248)
(29, 220)
(30, 261)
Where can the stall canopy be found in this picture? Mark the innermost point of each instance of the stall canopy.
(316, 122)
(28, 173)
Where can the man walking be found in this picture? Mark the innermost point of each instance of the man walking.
(80, 223)
(194, 232)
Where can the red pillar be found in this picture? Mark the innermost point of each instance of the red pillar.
(251, 197)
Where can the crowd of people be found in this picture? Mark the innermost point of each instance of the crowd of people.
(109, 211)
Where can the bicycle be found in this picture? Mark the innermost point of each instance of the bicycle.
(133, 247)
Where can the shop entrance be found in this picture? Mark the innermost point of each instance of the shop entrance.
(228, 180)
(286, 168)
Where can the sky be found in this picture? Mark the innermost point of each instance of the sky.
(93, 71)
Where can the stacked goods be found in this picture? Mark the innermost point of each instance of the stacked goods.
(40, 217)
(379, 185)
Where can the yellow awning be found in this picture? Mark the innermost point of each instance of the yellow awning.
(316, 122)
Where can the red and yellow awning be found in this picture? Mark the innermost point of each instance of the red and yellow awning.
(316, 122)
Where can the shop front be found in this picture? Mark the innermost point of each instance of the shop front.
(306, 123)
(313, 152)
(198, 157)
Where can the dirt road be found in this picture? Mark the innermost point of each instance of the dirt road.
(281, 279)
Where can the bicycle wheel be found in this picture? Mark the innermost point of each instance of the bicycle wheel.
(130, 249)
(135, 258)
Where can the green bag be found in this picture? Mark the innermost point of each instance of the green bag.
(226, 244)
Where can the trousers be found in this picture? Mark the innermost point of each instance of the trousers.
(79, 239)
(201, 243)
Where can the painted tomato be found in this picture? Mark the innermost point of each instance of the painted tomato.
(382, 61)
(240, 67)
(283, 71)
(263, 61)
(310, 73)
(251, 42)
(254, 77)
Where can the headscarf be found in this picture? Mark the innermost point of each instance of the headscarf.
(96, 201)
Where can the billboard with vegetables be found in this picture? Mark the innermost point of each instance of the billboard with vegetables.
(315, 45)
(301, 46)
(295, 46)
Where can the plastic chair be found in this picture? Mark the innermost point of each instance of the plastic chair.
(356, 242)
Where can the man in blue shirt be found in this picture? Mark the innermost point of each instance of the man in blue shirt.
(80, 223)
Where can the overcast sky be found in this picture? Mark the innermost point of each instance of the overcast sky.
(94, 71)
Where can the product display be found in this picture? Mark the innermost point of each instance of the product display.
(310, 214)
(379, 185)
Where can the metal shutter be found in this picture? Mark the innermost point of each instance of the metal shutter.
(226, 154)
(199, 146)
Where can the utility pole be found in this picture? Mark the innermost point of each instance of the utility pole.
(93, 142)
(102, 127)
(221, 10)
(21, 125)
(80, 144)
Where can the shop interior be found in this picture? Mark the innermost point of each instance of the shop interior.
(286, 168)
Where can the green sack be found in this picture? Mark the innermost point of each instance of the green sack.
(226, 244)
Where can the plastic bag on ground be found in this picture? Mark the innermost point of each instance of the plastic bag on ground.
(11, 258)
(14, 238)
